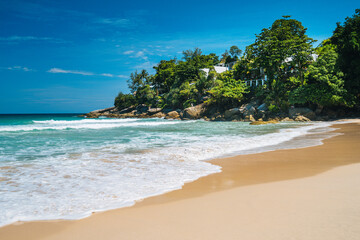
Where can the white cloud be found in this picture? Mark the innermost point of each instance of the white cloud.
(107, 75)
(128, 52)
(119, 22)
(146, 65)
(29, 38)
(140, 54)
(26, 69)
(59, 70)
(122, 76)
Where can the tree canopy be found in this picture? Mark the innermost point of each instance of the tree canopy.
(324, 83)
(297, 73)
(281, 47)
(346, 38)
(227, 91)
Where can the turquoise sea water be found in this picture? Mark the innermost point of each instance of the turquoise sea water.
(66, 167)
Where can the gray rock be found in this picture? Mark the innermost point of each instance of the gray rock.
(231, 112)
(142, 108)
(306, 112)
(248, 106)
(126, 110)
(158, 115)
(154, 110)
(287, 119)
(128, 115)
(236, 117)
(247, 109)
(262, 107)
(302, 119)
(249, 118)
(102, 112)
(194, 112)
(167, 110)
(173, 115)
(219, 118)
(206, 118)
(110, 109)
(92, 115)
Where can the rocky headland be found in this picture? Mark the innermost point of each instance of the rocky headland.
(254, 112)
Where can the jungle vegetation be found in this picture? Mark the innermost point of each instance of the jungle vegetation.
(297, 72)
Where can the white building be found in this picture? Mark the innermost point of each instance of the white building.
(313, 56)
(218, 69)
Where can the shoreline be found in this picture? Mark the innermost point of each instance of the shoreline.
(239, 171)
(296, 142)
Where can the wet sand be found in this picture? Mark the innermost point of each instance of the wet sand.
(308, 193)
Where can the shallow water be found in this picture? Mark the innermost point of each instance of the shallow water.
(66, 167)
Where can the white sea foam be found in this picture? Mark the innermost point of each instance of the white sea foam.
(70, 180)
(82, 121)
(82, 124)
(215, 146)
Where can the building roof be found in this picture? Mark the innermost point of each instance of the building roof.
(313, 56)
(217, 69)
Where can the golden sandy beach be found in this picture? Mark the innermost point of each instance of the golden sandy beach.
(310, 193)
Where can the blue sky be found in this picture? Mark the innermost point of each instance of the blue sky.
(75, 56)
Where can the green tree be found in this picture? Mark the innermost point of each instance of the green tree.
(224, 56)
(124, 100)
(186, 72)
(141, 85)
(145, 95)
(214, 58)
(324, 84)
(138, 80)
(189, 70)
(181, 97)
(235, 52)
(188, 94)
(191, 54)
(205, 82)
(347, 39)
(231, 56)
(228, 92)
(245, 69)
(281, 47)
(165, 75)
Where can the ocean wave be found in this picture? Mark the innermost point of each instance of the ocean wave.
(224, 146)
(110, 173)
(82, 124)
(82, 121)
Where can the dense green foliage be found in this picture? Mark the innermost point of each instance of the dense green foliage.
(282, 52)
(347, 40)
(140, 85)
(282, 47)
(324, 81)
(296, 72)
(227, 91)
(124, 100)
(176, 84)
